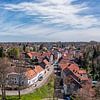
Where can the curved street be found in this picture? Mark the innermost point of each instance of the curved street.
(32, 88)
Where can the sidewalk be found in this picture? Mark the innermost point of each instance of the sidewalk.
(32, 88)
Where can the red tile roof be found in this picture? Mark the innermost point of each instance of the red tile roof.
(45, 61)
(31, 54)
(74, 68)
(32, 73)
(82, 71)
(38, 54)
(46, 54)
(38, 69)
(64, 65)
(79, 73)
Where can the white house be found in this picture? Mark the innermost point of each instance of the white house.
(34, 75)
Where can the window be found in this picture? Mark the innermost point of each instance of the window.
(22, 82)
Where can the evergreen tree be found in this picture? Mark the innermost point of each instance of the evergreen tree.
(1, 51)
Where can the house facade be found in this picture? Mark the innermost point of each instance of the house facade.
(73, 77)
(27, 78)
(30, 75)
(34, 75)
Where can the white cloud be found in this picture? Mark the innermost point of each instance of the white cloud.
(21, 29)
(60, 12)
(49, 34)
(76, 35)
(58, 2)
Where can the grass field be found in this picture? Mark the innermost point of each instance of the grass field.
(41, 93)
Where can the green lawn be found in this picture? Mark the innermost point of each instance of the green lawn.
(43, 92)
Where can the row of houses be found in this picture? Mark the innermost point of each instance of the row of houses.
(74, 78)
(28, 74)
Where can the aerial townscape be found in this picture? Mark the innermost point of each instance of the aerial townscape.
(49, 49)
(51, 71)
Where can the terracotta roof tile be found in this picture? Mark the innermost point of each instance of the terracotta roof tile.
(45, 61)
(64, 65)
(73, 68)
(38, 69)
(82, 71)
(30, 73)
(31, 54)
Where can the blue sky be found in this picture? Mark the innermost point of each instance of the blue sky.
(49, 20)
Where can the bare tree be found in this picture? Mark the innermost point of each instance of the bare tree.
(20, 68)
(4, 65)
